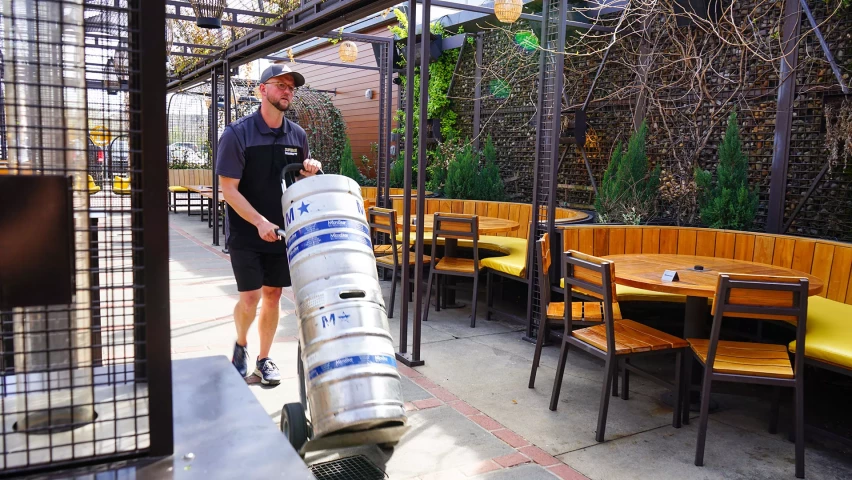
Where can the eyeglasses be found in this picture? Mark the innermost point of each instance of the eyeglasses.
(282, 86)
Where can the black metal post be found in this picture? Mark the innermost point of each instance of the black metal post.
(403, 355)
(784, 117)
(425, 41)
(148, 90)
(214, 139)
(388, 121)
(477, 93)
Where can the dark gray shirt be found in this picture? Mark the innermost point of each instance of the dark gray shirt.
(255, 154)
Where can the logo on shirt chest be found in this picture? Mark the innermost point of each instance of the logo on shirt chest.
(291, 152)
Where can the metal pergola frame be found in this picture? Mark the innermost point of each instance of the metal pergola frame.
(316, 18)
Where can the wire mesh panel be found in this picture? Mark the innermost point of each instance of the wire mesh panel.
(548, 123)
(71, 390)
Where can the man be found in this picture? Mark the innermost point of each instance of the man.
(252, 153)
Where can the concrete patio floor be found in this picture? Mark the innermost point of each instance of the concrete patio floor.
(471, 412)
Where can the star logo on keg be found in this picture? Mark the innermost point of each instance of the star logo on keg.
(344, 317)
(303, 209)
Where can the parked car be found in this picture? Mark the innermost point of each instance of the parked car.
(187, 145)
(96, 162)
(189, 156)
(118, 157)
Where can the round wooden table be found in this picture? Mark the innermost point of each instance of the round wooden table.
(645, 271)
(487, 225)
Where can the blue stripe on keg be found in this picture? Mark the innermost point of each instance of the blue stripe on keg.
(328, 225)
(308, 243)
(350, 361)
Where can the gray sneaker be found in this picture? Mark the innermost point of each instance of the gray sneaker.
(268, 372)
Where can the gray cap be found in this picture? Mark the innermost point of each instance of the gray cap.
(281, 69)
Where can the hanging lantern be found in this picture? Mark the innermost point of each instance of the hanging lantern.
(348, 51)
(508, 11)
(120, 62)
(208, 13)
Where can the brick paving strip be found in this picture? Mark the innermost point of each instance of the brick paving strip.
(525, 452)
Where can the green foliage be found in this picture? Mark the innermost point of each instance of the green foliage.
(728, 202)
(490, 185)
(467, 178)
(462, 173)
(397, 173)
(629, 187)
(347, 164)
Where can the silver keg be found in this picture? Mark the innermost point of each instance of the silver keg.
(347, 351)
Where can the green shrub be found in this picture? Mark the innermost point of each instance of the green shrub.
(397, 173)
(490, 185)
(347, 164)
(728, 202)
(462, 173)
(629, 188)
(468, 179)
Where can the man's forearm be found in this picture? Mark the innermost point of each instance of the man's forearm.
(242, 206)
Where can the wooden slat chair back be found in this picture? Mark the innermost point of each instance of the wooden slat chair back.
(581, 313)
(764, 298)
(459, 227)
(393, 257)
(615, 341)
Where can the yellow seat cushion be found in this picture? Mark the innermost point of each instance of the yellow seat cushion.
(93, 187)
(121, 185)
(633, 294)
(514, 263)
(487, 242)
(828, 336)
(176, 188)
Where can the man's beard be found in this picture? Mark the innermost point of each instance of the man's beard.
(278, 107)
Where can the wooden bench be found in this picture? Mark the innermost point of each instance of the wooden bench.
(180, 178)
(829, 329)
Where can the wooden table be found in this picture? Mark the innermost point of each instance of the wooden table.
(487, 225)
(645, 271)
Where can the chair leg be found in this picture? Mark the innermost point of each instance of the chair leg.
(489, 296)
(393, 291)
(539, 343)
(776, 404)
(678, 391)
(611, 367)
(560, 370)
(475, 295)
(625, 380)
(429, 295)
(438, 293)
(800, 428)
(687, 385)
(618, 366)
(702, 421)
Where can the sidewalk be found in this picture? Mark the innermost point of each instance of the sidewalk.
(471, 413)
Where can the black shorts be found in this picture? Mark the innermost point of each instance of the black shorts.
(256, 269)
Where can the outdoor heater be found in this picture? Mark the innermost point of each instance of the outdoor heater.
(45, 271)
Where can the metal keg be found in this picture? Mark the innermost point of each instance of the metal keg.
(347, 351)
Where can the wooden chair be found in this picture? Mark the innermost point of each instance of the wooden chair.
(764, 298)
(383, 221)
(583, 313)
(459, 227)
(613, 340)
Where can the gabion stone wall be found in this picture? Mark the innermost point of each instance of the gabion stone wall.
(750, 87)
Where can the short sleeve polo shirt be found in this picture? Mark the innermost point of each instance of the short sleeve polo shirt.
(255, 154)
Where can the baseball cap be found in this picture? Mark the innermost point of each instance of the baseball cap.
(281, 69)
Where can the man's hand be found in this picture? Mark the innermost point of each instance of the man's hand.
(266, 230)
(310, 167)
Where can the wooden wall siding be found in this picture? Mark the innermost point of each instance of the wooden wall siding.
(827, 260)
(360, 114)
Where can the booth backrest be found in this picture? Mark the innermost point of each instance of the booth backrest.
(519, 212)
(830, 261)
(192, 176)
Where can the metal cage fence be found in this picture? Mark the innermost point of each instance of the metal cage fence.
(75, 364)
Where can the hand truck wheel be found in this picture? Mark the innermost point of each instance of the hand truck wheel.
(294, 424)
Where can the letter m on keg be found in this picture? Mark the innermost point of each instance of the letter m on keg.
(327, 320)
(289, 217)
